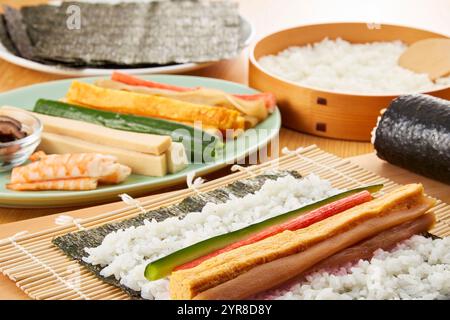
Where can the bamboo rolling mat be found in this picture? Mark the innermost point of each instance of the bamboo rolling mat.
(42, 271)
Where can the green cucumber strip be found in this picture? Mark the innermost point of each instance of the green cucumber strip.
(163, 267)
(189, 136)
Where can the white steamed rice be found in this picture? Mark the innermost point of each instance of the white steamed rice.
(125, 253)
(418, 268)
(339, 65)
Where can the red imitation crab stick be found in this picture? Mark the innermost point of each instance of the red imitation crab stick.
(186, 256)
(133, 81)
(267, 97)
(300, 222)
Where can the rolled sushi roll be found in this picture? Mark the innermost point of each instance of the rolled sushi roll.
(414, 133)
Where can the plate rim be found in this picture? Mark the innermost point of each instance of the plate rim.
(68, 198)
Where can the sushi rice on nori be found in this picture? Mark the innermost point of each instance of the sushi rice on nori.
(74, 244)
(414, 133)
(118, 252)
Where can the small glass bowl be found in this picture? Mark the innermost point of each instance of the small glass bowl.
(15, 153)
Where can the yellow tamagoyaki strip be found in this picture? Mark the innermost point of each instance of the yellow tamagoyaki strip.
(186, 284)
(153, 106)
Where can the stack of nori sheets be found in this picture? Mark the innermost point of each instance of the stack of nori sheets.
(125, 34)
(73, 244)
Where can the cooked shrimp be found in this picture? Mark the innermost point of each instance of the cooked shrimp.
(64, 166)
(38, 155)
(77, 184)
(119, 174)
(82, 171)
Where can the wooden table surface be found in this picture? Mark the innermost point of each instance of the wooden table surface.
(268, 16)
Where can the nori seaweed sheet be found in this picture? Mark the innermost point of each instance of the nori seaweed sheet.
(128, 34)
(73, 244)
(5, 39)
(414, 133)
(17, 31)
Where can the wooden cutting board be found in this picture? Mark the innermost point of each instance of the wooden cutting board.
(8, 290)
(432, 187)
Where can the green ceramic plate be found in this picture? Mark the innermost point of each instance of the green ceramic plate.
(135, 184)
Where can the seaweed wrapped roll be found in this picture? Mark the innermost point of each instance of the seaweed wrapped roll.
(414, 133)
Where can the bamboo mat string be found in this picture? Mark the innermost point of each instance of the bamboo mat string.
(194, 184)
(63, 220)
(13, 238)
(250, 170)
(132, 202)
